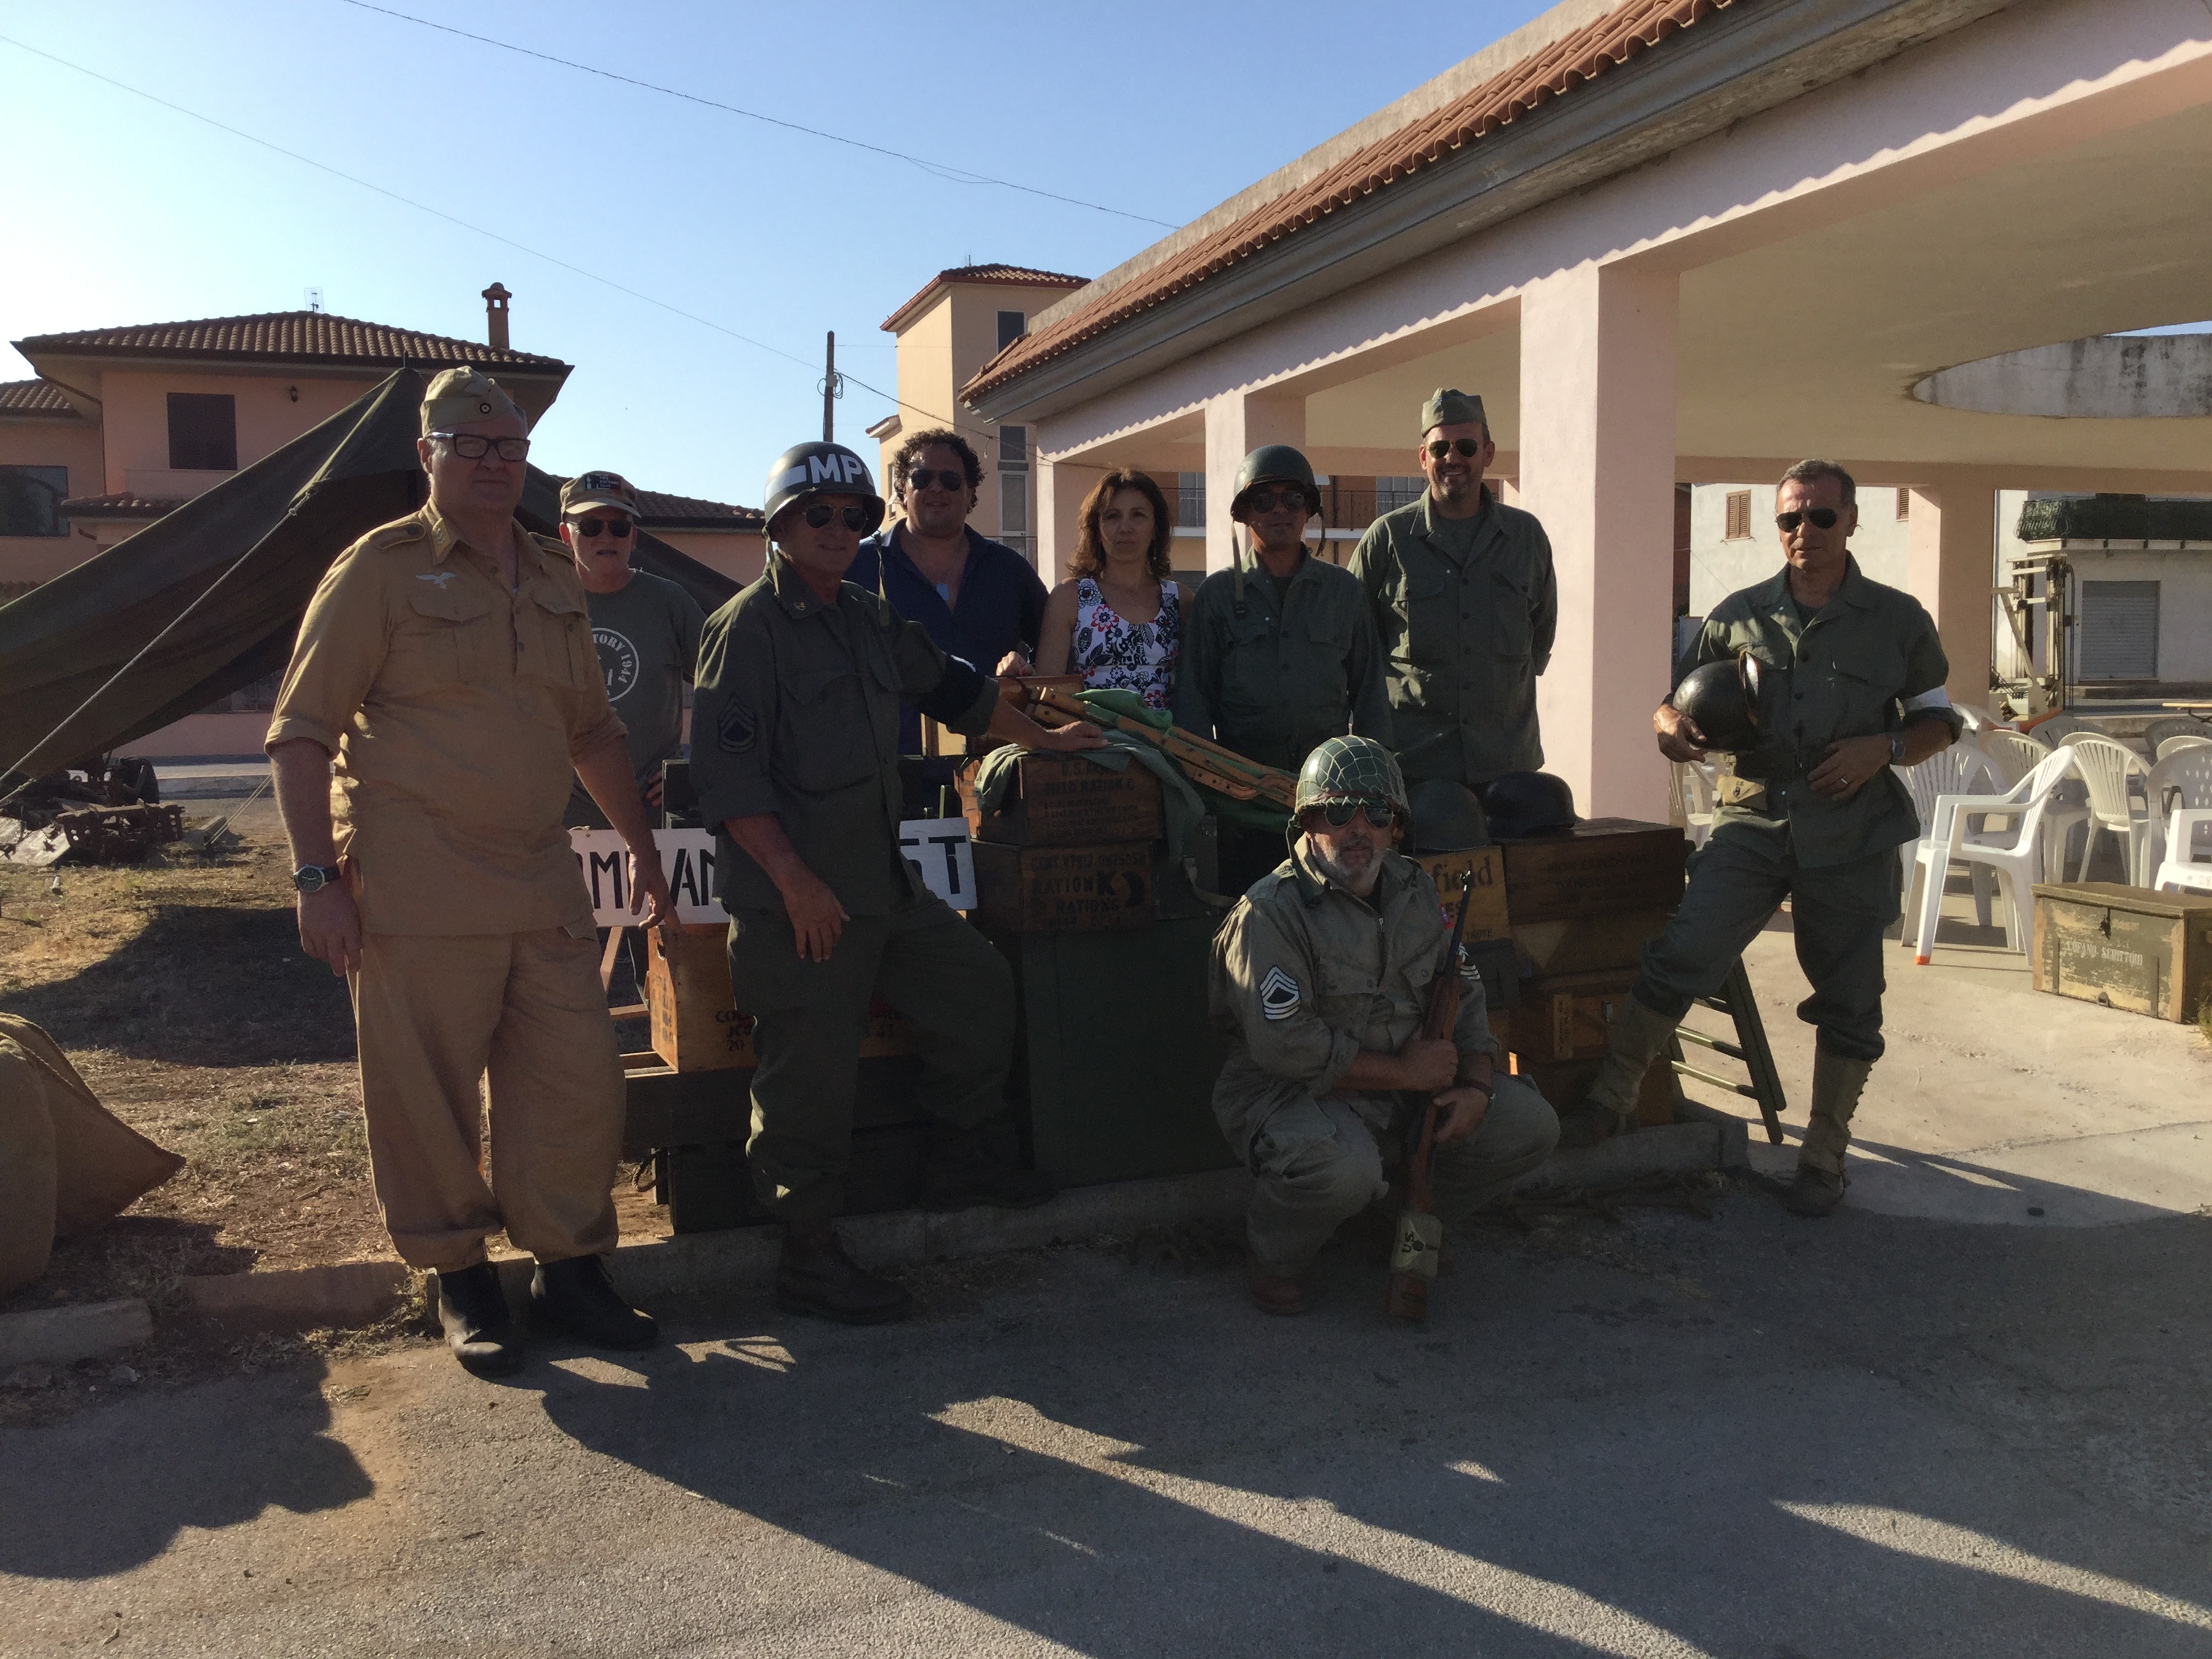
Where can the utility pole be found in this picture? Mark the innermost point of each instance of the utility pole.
(831, 390)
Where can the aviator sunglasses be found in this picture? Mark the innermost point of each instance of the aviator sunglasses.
(616, 527)
(820, 514)
(1820, 518)
(946, 479)
(1440, 447)
(1342, 812)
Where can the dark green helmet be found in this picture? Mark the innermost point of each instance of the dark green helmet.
(1274, 463)
(1351, 769)
(1446, 817)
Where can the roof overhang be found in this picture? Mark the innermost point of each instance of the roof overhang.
(77, 373)
(1753, 56)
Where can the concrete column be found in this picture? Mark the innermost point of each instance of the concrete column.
(1060, 488)
(1237, 423)
(1950, 566)
(1597, 467)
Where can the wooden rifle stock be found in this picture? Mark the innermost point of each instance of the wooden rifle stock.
(1421, 1234)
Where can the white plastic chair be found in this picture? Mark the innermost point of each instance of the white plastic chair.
(1692, 786)
(1960, 769)
(2179, 741)
(2174, 725)
(2181, 785)
(2049, 731)
(2012, 756)
(2016, 860)
(2110, 768)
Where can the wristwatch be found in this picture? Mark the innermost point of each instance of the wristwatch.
(1897, 749)
(313, 877)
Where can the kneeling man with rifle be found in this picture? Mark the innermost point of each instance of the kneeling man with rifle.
(1322, 978)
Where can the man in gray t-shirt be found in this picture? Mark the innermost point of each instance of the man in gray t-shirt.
(647, 629)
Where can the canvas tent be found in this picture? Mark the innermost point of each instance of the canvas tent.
(217, 587)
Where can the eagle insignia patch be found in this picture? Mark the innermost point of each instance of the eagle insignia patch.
(1279, 994)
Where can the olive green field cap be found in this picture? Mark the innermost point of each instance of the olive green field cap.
(598, 489)
(460, 396)
(1449, 406)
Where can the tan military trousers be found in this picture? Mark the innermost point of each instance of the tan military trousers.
(440, 1016)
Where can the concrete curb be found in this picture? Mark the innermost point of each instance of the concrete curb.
(742, 1261)
(83, 1330)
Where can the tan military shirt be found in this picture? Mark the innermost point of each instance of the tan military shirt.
(456, 710)
(1306, 975)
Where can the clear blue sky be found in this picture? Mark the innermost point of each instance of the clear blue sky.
(125, 212)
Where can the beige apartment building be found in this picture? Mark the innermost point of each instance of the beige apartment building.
(124, 425)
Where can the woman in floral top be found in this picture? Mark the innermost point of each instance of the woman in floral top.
(1118, 621)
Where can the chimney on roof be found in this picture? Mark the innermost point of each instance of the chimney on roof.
(495, 298)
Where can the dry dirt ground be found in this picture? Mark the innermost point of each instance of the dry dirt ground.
(180, 991)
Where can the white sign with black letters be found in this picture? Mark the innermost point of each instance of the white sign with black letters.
(938, 846)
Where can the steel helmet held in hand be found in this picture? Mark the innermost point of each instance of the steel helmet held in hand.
(1722, 698)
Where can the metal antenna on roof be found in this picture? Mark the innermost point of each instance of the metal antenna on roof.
(315, 301)
(833, 387)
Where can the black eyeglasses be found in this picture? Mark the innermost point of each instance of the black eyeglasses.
(1263, 500)
(1821, 518)
(472, 445)
(946, 479)
(1342, 812)
(1440, 447)
(615, 527)
(820, 514)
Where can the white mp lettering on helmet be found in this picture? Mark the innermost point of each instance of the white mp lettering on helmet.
(825, 469)
(1279, 994)
(855, 468)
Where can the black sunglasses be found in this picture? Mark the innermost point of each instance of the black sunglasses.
(1822, 518)
(1263, 500)
(1342, 812)
(471, 446)
(1469, 447)
(616, 527)
(946, 479)
(820, 514)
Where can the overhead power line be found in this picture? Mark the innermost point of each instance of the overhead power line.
(941, 169)
(451, 219)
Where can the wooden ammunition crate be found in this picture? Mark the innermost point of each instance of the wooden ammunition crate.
(1602, 866)
(1583, 944)
(2126, 947)
(697, 1026)
(1568, 1017)
(1064, 800)
(1047, 889)
(1565, 1082)
(1485, 907)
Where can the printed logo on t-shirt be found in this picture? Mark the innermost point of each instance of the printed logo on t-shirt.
(618, 661)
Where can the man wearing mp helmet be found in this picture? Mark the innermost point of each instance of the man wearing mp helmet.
(1837, 678)
(795, 752)
(1321, 982)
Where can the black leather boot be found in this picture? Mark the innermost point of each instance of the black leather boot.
(815, 1276)
(982, 1165)
(575, 1295)
(472, 1309)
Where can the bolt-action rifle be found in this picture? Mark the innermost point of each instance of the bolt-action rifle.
(1420, 1237)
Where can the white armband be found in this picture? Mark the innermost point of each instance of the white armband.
(1939, 698)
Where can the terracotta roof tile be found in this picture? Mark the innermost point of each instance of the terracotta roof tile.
(34, 400)
(1580, 56)
(659, 511)
(1006, 276)
(122, 506)
(284, 336)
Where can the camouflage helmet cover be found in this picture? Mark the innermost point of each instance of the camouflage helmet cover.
(1350, 769)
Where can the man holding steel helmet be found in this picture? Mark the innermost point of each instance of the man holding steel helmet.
(795, 753)
(1849, 683)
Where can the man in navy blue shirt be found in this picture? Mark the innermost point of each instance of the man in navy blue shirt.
(978, 599)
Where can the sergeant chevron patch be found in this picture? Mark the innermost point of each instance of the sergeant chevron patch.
(1279, 994)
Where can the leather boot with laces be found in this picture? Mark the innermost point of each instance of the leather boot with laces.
(575, 1295)
(815, 1276)
(472, 1311)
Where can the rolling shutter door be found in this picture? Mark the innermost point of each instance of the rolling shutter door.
(2119, 630)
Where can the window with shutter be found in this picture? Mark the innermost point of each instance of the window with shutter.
(2119, 631)
(1739, 516)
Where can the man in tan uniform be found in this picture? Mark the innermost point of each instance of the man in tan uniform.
(446, 663)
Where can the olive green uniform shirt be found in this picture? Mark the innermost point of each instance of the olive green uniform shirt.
(455, 708)
(796, 712)
(1306, 975)
(1464, 635)
(1279, 668)
(1864, 664)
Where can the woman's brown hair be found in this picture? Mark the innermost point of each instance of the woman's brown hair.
(1090, 552)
